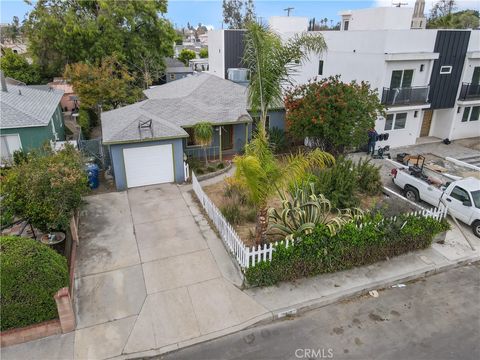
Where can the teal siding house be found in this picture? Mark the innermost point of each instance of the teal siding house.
(30, 117)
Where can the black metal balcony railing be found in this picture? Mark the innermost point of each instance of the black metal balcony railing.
(469, 91)
(416, 95)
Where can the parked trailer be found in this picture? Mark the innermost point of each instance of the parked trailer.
(462, 197)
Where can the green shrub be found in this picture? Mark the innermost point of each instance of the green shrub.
(339, 184)
(319, 253)
(221, 166)
(84, 122)
(31, 273)
(232, 213)
(277, 139)
(211, 168)
(368, 175)
(194, 163)
(250, 214)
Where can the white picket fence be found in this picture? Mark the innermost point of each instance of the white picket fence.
(250, 256)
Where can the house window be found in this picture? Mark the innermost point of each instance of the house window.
(345, 25)
(320, 67)
(395, 121)
(476, 76)
(172, 76)
(466, 114)
(401, 79)
(422, 67)
(475, 112)
(458, 110)
(445, 70)
(471, 113)
(415, 114)
(191, 136)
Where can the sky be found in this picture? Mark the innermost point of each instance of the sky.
(209, 12)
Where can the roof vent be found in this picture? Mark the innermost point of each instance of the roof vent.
(19, 92)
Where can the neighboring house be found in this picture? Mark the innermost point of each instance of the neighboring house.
(70, 99)
(29, 118)
(429, 80)
(150, 140)
(199, 64)
(175, 69)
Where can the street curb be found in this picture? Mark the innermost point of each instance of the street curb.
(303, 307)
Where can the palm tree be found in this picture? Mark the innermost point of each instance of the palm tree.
(263, 175)
(273, 63)
(203, 132)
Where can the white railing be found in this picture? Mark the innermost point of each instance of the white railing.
(250, 256)
(186, 170)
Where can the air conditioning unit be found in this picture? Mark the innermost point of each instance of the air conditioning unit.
(238, 75)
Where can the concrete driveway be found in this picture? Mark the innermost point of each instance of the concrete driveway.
(152, 275)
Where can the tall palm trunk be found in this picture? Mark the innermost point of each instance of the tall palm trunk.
(261, 226)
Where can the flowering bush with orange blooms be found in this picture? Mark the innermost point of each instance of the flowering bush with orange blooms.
(45, 187)
(335, 113)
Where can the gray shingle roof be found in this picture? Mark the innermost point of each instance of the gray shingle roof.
(32, 108)
(178, 69)
(178, 104)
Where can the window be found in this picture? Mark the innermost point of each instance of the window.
(471, 113)
(172, 76)
(476, 76)
(415, 114)
(320, 67)
(422, 67)
(395, 121)
(445, 70)
(459, 194)
(475, 113)
(401, 79)
(458, 110)
(191, 136)
(345, 24)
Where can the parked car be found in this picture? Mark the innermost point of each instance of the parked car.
(462, 197)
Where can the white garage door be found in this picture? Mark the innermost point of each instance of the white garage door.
(148, 165)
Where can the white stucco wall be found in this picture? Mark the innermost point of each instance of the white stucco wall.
(380, 18)
(216, 55)
(287, 24)
(466, 129)
(401, 137)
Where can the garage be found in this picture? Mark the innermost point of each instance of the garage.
(148, 165)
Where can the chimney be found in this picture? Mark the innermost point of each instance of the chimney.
(4, 82)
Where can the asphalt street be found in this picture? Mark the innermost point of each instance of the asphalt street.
(431, 318)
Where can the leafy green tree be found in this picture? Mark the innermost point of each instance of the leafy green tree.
(46, 188)
(466, 19)
(107, 83)
(263, 175)
(66, 32)
(272, 63)
(186, 55)
(237, 13)
(13, 32)
(203, 132)
(335, 113)
(203, 53)
(17, 67)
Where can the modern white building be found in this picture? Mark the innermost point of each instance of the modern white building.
(429, 80)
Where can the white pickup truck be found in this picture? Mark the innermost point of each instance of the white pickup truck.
(462, 197)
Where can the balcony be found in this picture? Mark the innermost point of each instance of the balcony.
(469, 92)
(416, 95)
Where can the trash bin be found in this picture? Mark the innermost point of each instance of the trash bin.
(93, 175)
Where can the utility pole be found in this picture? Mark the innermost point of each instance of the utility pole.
(288, 10)
(399, 4)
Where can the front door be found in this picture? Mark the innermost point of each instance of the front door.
(227, 137)
(427, 121)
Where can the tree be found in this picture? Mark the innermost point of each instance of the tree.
(203, 53)
(272, 64)
(466, 19)
(46, 188)
(107, 83)
(13, 32)
(442, 8)
(237, 13)
(263, 175)
(186, 55)
(65, 32)
(335, 113)
(203, 132)
(17, 67)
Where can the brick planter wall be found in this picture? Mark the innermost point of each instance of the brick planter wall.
(29, 333)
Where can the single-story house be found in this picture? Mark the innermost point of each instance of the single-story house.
(175, 70)
(29, 118)
(150, 140)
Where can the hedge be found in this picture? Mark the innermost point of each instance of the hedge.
(319, 253)
(31, 273)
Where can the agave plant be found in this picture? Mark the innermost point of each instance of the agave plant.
(302, 210)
